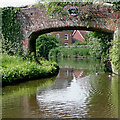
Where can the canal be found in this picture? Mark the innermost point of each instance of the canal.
(76, 92)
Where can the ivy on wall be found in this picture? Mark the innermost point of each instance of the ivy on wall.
(10, 25)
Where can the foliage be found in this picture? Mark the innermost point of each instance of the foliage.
(38, 4)
(115, 55)
(44, 44)
(54, 52)
(98, 43)
(69, 52)
(79, 43)
(9, 47)
(24, 69)
(10, 25)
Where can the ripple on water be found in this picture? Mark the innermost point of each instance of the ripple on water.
(67, 102)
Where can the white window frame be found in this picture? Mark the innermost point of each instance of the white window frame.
(65, 36)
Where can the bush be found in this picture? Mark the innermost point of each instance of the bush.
(54, 52)
(24, 69)
(79, 43)
(98, 43)
(44, 44)
(115, 55)
(71, 52)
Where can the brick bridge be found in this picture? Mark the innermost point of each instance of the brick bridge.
(35, 21)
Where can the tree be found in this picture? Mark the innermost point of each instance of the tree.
(44, 44)
(99, 43)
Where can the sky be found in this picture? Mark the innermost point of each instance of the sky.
(16, 3)
(19, 3)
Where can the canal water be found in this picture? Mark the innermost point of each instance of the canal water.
(76, 92)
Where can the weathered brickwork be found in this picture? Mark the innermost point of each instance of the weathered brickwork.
(34, 21)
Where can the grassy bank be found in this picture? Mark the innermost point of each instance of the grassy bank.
(15, 69)
(70, 52)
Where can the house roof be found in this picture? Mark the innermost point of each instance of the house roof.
(83, 32)
(79, 35)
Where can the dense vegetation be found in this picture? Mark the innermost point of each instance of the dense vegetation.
(18, 68)
(44, 44)
(77, 43)
(69, 52)
(115, 55)
(99, 44)
(21, 70)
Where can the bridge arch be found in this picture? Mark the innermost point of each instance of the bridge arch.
(34, 35)
(35, 21)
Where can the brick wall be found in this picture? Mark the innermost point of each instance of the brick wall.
(62, 36)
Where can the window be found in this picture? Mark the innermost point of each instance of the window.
(66, 37)
(57, 36)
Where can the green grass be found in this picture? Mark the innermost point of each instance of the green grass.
(70, 52)
(14, 69)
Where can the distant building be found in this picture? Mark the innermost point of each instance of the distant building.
(64, 36)
(79, 35)
(70, 36)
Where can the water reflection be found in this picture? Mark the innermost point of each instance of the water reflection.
(19, 101)
(67, 101)
(77, 92)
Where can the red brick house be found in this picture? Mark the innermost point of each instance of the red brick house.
(70, 36)
(64, 36)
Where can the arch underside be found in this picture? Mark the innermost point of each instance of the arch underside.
(35, 34)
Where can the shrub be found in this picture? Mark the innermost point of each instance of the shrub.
(65, 52)
(54, 52)
(98, 43)
(24, 69)
(44, 44)
(79, 43)
(115, 55)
